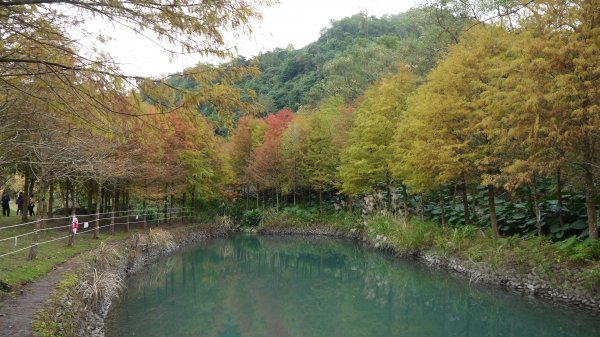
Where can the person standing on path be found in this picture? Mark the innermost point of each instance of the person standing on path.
(5, 204)
(31, 205)
(19, 203)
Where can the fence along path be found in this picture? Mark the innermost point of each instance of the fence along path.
(14, 238)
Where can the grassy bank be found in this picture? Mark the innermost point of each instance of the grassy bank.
(16, 270)
(568, 264)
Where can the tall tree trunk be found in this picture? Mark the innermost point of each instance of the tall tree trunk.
(126, 201)
(590, 204)
(98, 203)
(465, 200)
(474, 207)
(442, 209)
(294, 191)
(171, 215)
(67, 194)
(39, 224)
(388, 184)
(559, 197)
(194, 204)
(166, 204)
(90, 195)
(536, 206)
(74, 214)
(257, 197)
(117, 203)
(492, 207)
(114, 208)
(321, 203)
(25, 212)
(50, 213)
(183, 205)
(277, 200)
(144, 204)
(405, 200)
(102, 208)
(247, 193)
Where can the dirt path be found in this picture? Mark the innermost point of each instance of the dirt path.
(16, 313)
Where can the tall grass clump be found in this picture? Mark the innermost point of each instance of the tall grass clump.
(99, 285)
(161, 238)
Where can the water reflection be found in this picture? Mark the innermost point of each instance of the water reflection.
(313, 287)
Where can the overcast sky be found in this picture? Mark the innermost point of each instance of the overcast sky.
(296, 22)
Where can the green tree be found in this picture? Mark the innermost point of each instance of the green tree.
(366, 160)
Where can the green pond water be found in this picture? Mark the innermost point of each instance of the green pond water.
(255, 286)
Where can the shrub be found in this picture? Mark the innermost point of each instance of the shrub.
(587, 250)
(251, 218)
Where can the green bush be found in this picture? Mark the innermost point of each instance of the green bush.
(587, 250)
(251, 218)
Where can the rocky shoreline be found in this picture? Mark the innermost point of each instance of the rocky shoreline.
(529, 284)
(137, 253)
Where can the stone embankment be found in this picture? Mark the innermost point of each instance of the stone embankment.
(143, 249)
(570, 294)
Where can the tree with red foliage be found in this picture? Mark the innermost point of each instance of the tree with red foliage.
(266, 165)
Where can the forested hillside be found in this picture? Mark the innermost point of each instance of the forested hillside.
(496, 125)
(350, 55)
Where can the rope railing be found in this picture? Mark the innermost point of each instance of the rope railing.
(91, 214)
(179, 210)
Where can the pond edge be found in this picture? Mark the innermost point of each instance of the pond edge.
(136, 253)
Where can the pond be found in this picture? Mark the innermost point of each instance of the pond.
(254, 286)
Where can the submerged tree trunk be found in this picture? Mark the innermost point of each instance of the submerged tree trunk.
(492, 207)
(465, 200)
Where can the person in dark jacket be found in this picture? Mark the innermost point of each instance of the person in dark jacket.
(5, 204)
(31, 206)
(19, 203)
